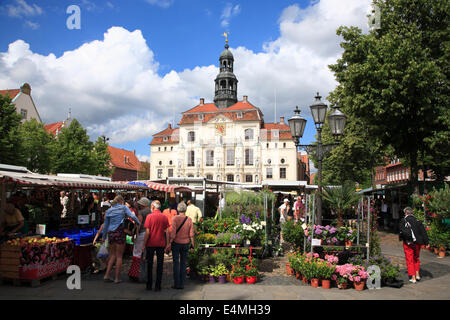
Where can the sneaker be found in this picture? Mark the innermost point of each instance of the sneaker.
(412, 280)
(417, 278)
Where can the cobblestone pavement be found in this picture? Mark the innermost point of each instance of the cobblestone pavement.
(273, 285)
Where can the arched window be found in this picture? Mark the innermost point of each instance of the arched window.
(230, 178)
(248, 157)
(191, 136)
(223, 84)
(249, 134)
(209, 158)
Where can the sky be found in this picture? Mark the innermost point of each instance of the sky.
(132, 67)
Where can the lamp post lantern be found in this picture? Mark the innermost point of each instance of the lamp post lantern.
(337, 121)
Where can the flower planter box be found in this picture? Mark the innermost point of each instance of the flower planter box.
(238, 280)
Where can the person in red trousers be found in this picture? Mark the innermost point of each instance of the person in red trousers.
(413, 235)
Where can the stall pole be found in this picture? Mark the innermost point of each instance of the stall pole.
(312, 226)
(359, 211)
(204, 198)
(368, 228)
(265, 220)
(3, 202)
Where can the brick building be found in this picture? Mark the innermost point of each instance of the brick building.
(125, 164)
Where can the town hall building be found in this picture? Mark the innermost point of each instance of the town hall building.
(226, 140)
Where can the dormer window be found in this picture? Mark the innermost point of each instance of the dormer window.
(239, 115)
(201, 116)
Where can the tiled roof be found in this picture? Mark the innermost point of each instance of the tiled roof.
(284, 132)
(118, 159)
(210, 111)
(53, 128)
(12, 93)
(171, 134)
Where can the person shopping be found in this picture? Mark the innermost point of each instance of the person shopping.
(113, 228)
(181, 239)
(155, 241)
(11, 223)
(413, 234)
(144, 210)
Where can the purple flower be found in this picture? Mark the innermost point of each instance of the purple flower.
(332, 230)
(257, 215)
(327, 227)
(318, 231)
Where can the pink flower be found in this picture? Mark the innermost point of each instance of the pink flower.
(357, 279)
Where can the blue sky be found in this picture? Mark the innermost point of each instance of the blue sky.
(135, 64)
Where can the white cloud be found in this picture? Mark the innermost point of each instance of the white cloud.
(161, 3)
(21, 9)
(143, 158)
(113, 87)
(32, 25)
(229, 12)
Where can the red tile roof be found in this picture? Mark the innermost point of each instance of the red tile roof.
(117, 159)
(172, 135)
(210, 111)
(284, 132)
(12, 93)
(53, 128)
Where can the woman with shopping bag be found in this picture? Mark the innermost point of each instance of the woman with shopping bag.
(113, 228)
(134, 273)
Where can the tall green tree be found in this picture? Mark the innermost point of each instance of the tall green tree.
(36, 146)
(72, 151)
(10, 139)
(101, 158)
(395, 80)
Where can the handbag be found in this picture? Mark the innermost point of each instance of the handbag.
(129, 226)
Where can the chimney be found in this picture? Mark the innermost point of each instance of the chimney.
(134, 151)
(170, 126)
(282, 120)
(202, 101)
(26, 89)
(245, 99)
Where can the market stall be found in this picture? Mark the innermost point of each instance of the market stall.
(78, 229)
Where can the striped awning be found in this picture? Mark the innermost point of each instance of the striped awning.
(32, 179)
(161, 186)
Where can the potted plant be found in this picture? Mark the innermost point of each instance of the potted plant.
(326, 271)
(237, 274)
(220, 271)
(289, 267)
(343, 273)
(222, 238)
(359, 276)
(204, 273)
(251, 275)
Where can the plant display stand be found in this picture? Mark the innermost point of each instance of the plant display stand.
(33, 263)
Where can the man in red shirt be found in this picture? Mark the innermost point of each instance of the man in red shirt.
(156, 239)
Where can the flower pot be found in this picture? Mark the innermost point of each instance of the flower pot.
(238, 280)
(289, 270)
(326, 284)
(228, 277)
(359, 286)
(348, 243)
(305, 280)
(212, 279)
(251, 279)
(436, 250)
(222, 279)
(342, 285)
(441, 252)
(297, 275)
(315, 282)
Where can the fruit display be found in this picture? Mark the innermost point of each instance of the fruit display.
(34, 241)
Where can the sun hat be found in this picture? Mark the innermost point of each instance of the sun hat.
(144, 202)
(286, 200)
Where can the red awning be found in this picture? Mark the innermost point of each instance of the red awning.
(163, 187)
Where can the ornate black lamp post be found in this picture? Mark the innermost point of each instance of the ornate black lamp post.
(337, 124)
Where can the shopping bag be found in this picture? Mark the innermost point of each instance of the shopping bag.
(143, 271)
(102, 252)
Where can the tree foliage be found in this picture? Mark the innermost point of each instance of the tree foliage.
(101, 158)
(341, 198)
(10, 140)
(36, 146)
(394, 81)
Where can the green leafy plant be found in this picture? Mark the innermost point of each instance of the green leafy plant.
(341, 198)
(206, 238)
(252, 272)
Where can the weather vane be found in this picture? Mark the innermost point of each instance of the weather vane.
(225, 34)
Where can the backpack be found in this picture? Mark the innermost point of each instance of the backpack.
(406, 232)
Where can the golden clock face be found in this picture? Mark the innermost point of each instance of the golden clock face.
(220, 128)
